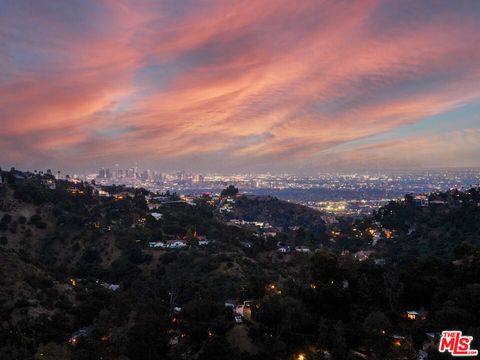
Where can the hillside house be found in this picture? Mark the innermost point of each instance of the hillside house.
(157, 216)
(302, 249)
(176, 244)
(397, 340)
(415, 315)
(157, 244)
(421, 200)
(82, 332)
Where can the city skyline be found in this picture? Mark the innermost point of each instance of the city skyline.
(228, 87)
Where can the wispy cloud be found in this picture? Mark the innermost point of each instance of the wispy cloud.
(250, 85)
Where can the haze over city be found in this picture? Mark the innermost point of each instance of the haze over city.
(219, 86)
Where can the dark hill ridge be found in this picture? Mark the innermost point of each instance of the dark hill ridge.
(278, 213)
(33, 305)
(441, 224)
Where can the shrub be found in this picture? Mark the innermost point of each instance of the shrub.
(6, 218)
(41, 225)
(35, 218)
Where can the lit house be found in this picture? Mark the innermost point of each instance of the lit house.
(397, 340)
(415, 315)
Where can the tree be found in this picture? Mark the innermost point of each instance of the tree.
(52, 351)
(340, 349)
(393, 289)
(376, 327)
(229, 191)
(404, 351)
(217, 348)
(300, 236)
(147, 341)
(323, 333)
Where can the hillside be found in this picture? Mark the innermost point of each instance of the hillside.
(441, 224)
(35, 307)
(92, 272)
(278, 213)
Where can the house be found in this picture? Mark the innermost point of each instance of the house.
(201, 239)
(234, 222)
(19, 178)
(82, 332)
(176, 244)
(246, 244)
(270, 234)
(421, 200)
(303, 249)
(284, 250)
(157, 216)
(415, 315)
(102, 193)
(437, 202)
(411, 315)
(359, 354)
(244, 310)
(397, 340)
(113, 287)
(157, 244)
(226, 208)
(173, 340)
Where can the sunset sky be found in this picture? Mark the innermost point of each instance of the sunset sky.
(297, 86)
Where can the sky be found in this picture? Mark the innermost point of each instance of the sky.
(232, 86)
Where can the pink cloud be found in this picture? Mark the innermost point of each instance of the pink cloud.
(264, 86)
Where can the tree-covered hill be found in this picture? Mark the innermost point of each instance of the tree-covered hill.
(277, 212)
(445, 224)
(89, 272)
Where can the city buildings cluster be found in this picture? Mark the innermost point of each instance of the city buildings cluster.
(352, 194)
(124, 175)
